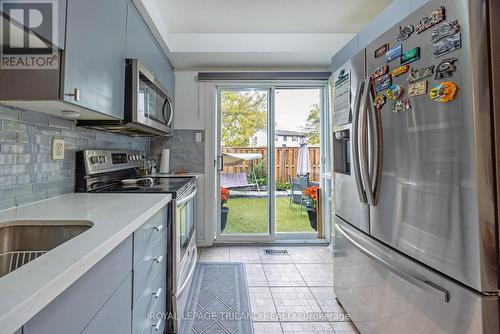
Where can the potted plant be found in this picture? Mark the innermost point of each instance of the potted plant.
(224, 196)
(311, 194)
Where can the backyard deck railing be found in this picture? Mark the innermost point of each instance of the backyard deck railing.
(286, 161)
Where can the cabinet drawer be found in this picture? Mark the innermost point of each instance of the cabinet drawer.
(71, 311)
(155, 322)
(151, 264)
(148, 302)
(114, 317)
(149, 233)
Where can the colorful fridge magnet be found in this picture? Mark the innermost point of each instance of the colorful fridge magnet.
(445, 30)
(417, 88)
(405, 32)
(420, 73)
(400, 70)
(443, 92)
(381, 50)
(437, 16)
(401, 105)
(379, 71)
(394, 53)
(383, 83)
(410, 56)
(445, 68)
(447, 45)
(379, 101)
(394, 92)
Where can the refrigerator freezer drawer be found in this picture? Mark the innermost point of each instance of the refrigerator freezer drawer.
(385, 292)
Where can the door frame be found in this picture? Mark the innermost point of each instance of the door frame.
(271, 87)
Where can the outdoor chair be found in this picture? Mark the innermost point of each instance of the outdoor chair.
(235, 181)
(297, 186)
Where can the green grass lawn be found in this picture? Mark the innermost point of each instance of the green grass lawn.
(249, 215)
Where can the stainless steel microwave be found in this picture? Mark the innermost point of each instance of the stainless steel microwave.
(149, 109)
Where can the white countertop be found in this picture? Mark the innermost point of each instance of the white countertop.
(27, 290)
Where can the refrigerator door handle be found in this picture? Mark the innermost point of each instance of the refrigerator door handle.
(422, 283)
(355, 142)
(375, 124)
(365, 166)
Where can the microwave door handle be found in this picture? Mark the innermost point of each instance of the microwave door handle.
(169, 121)
(355, 142)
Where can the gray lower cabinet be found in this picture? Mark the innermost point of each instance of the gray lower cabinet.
(115, 316)
(95, 54)
(118, 294)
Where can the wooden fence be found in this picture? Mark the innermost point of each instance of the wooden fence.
(286, 161)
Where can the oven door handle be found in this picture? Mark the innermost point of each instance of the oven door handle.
(186, 199)
(191, 272)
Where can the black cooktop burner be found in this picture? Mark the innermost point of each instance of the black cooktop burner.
(171, 185)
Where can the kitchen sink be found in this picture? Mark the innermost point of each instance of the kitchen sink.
(22, 241)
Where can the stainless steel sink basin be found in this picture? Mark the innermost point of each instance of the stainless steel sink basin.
(24, 240)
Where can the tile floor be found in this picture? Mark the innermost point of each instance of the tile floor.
(289, 294)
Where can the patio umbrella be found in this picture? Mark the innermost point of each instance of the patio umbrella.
(303, 162)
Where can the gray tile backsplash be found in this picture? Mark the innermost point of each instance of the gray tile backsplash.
(185, 153)
(27, 171)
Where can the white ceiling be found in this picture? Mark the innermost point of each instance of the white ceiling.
(257, 33)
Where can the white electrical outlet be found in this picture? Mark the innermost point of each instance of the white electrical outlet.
(198, 137)
(58, 149)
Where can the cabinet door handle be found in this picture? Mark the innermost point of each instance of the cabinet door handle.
(157, 293)
(158, 259)
(75, 94)
(158, 228)
(157, 325)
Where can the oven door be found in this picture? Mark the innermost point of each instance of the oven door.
(185, 216)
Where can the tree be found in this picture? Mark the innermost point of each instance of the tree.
(312, 127)
(243, 114)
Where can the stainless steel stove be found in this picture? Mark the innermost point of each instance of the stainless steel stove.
(108, 171)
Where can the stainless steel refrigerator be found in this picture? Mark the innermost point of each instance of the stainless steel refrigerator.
(415, 176)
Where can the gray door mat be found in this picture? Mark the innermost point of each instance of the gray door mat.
(219, 302)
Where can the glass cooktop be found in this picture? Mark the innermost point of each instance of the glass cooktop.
(158, 185)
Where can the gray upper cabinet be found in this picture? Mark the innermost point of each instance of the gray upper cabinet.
(95, 55)
(141, 44)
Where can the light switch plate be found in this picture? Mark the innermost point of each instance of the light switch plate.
(198, 137)
(58, 149)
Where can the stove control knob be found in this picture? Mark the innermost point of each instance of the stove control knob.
(101, 159)
(93, 160)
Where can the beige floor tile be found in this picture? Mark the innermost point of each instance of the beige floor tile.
(344, 328)
(296, 304)
(267, 328)
(325, 296)
(304, 254)
(214, 254)
(324, 253)
(255, 274)
(319, 274)
(244, 254)
(262, 304)
(307, 328)
(283, 275)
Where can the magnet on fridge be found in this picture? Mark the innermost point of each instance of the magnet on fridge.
(379, 71)
(394, 92)
(381, 50)
(379, 101)
(394, 53)
(445, 68)
(401, 105)
(437, 16)
(420, 73)
(383, 83)
(443, 30)
(443, 92)
(447, 45)
(417, 88)
(405, 32)
(400, 70)
(410, 56)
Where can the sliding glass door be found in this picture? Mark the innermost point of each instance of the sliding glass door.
(269, 162)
